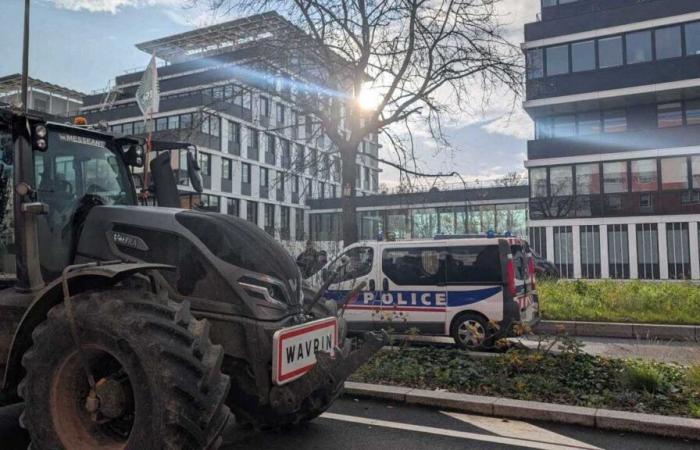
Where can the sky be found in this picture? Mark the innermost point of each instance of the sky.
(83, 44)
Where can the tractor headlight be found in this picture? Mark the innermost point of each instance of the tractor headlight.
(263, 290)
(40, 132)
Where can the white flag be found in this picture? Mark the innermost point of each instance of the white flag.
(148, 93)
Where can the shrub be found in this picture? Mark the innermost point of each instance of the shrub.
(643, 377)
(692, 378)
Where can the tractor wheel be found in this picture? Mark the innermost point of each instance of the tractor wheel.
(158, 383)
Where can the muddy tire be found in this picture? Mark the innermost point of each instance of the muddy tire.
(158, 378)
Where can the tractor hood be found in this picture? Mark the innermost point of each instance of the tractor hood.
(223, 263)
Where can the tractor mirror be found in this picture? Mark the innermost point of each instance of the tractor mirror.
(164, 181)
(194, 172)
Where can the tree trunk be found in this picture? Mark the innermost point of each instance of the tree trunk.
(348, 180)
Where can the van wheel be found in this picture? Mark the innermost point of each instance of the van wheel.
(470, 331)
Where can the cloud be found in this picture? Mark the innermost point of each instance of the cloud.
(110, 6)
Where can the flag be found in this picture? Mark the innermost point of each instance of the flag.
(148, 93)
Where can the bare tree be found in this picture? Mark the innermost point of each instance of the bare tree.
(425, 60)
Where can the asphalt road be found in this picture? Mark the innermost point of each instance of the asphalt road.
(364, 424)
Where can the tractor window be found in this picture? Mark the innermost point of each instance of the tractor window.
(7, 234)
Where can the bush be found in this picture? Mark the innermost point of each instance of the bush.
(644, 378)
(692, 378)
(620, 301)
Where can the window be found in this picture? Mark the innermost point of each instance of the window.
(590, 251)
(564, 251)
(473, 264)
(233, 206)
(692, 38)
(538, 182)
(560, 181)
(674, 173)
(638, 47)
(538, 240)
(226, 171)
(535, 63)
(692, 112)
(615, 121)
(564, 126)
(286, 154)
(359, 263)
(252, 211)
(557, 60)
(589, 123)
(668, 42)
(270, 143)
(415, 266)
(270, 218)
(254, 138)
(186, 121)
(299, 224)
(245, 173)
(644, 175)
(587, 179)
(618, 252)
(264, 177)
(280, 113)
(205, 163)
(610, 52)
(615, 177)
(678, 247)
(670, 115)
(695, 171)
(285, 222)
(425, 224)
(173, 122)
(583, 56)
(295, 184)
(265, 106)
(161, 123)
(647, 251)
(234, 134)
(543, 128)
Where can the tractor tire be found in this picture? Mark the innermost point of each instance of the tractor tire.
(157, 376)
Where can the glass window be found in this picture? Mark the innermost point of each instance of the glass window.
(638, 47)
(618, 252)
(583, 56)
(644, 175)
(252, 211)
(692, 112)
(557, 60)
(473, 264)
(615, 121)
(245, 173)
(538, 182)
(226, 168)
(564, 126)
(424, 223)
(264, 177)
(232, 206)
(161, 123)
(354, 263)
(670, 115)
(590, 251)
(589, 123)
(674, 173)
(692, 38)
(695, 162)
(415, 266)
(173, 122)
(647, 251)
(615, 177)
(234, 134)
(564, 251)
(610, 52)
(587, 179)
(186, 121)
(560, 181)
(668, 42)
(543, 128)
(205, 163)
(535, 63)
(678, 247)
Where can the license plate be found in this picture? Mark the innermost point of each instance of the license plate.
(294, 348)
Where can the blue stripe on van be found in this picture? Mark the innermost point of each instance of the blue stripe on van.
(462, 298)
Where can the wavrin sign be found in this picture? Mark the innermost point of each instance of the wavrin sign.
(148, 93)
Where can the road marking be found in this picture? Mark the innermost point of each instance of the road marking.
(519, 429)
(447, 432)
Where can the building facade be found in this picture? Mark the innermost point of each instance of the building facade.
(614, 90)
(42, 96)
(262, 159)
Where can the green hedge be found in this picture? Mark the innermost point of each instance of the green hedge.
(620, 301)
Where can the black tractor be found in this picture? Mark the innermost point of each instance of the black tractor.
(140, 327)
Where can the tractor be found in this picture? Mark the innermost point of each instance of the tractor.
(125, 326)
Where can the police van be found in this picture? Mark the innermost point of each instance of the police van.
(473, 289)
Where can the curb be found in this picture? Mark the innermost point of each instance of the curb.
(620, 330)
(604, 419)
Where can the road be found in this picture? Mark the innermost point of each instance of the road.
(353, 424)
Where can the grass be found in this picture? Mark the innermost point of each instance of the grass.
(571, 378)
(617, 301)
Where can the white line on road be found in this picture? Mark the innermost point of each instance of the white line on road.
(520, 430)
(447, 432)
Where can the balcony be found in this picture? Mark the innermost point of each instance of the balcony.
(264, 192)
(226, 185)
(253, 153)
(234, 148)
(245, 188)
(649, 139)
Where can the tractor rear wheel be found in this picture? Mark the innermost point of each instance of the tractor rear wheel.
(158, 383)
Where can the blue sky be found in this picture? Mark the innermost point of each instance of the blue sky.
(83, 44)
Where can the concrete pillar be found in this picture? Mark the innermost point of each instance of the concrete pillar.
(663, 252)
(604, 260)
(549, 235)
(632, 242)
(576, 237)
(694, 251)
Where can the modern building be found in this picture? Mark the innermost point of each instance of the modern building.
(614, 90)
(43, 97)
(261, 158)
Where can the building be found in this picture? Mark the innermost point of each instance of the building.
(41, 96)
(426, 214)
(614, 90)
(261, 158)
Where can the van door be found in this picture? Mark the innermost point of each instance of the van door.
(352, 267)
(413, 289)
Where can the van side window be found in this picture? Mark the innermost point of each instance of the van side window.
(519, 263)
(473, 264)
(355, 263)
(414, 266)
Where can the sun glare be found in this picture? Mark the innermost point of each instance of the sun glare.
(368, 99)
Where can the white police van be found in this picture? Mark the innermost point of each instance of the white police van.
(445, 287)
